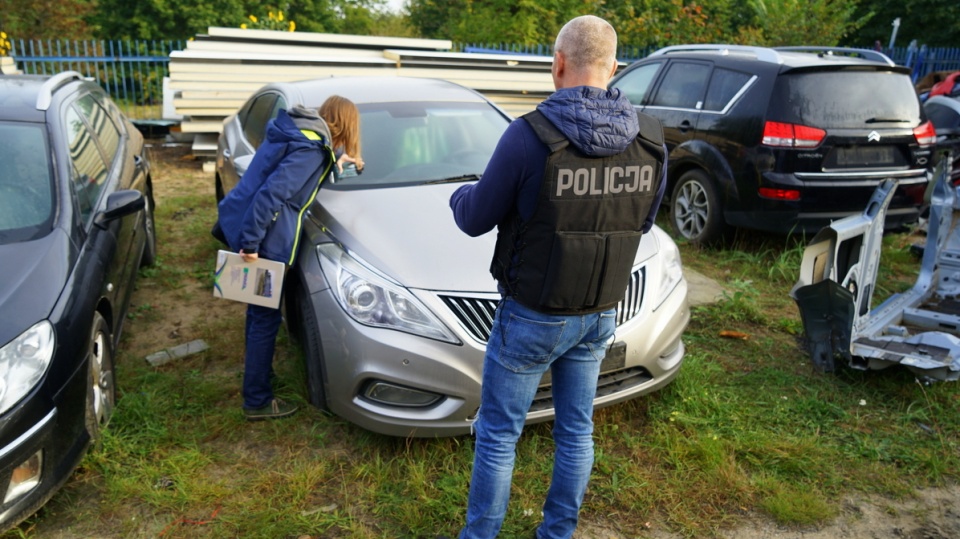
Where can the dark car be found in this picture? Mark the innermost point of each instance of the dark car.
(392, 303)
(75, 225)
(783, 140)
(944, 112)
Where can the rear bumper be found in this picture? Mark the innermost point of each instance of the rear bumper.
(824, 199)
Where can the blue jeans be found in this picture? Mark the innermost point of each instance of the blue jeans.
(263, 324)
(523, 344)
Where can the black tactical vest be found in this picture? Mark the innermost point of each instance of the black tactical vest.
(576, 252)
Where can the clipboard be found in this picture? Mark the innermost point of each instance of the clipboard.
(258, 283)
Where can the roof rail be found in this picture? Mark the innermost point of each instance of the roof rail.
(45, 95)
(762, 53)
(866, 54)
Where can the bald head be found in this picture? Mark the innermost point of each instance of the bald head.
(587, 47)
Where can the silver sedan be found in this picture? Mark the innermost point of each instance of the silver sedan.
(390, 301)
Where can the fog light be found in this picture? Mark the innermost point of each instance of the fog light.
(396, 395)
(24, 477)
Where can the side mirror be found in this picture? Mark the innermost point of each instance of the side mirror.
(120, 204)
(242, 163)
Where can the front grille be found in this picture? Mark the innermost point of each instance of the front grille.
(476, 314)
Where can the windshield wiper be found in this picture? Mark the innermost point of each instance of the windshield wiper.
(455, 179)
(886, 120)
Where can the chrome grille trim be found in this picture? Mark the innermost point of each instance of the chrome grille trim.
(476, 314)
(609, 383)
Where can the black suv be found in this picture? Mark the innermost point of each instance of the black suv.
(76, 224)
(784, 140)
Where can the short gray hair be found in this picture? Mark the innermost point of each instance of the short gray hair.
(588, 42)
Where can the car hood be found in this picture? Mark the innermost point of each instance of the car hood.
(409, 234)
(34, 273)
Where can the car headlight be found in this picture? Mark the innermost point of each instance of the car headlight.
(671, 271)
(23, 362)
(373, 299)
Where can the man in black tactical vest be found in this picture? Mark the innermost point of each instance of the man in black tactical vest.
(571, 188)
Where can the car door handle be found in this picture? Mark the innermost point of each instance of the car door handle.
(138, 161)
(685, 126)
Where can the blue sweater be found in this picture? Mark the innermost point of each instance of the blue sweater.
(598, 122)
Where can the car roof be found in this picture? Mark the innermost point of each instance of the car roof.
(787, 57)
(26, 98)
(363, 90)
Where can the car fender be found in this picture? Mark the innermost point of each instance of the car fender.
(307, 265)
(704, 156)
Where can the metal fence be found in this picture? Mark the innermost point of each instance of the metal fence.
(133, 71)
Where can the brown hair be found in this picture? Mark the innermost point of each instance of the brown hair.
(343, 119)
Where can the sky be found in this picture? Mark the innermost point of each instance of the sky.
(395, 5)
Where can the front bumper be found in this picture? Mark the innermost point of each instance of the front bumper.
(357, 355)
(51, 430)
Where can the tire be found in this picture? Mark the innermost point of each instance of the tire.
(149, 256)
(101, 387)
(695, 210)
(309, 337)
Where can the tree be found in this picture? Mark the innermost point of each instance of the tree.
(494, 21)
(800, 22)
(934, 23)
(656, 23)
(45, 19)
(164, 19)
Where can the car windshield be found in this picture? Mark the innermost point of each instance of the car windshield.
(26, 186)
(845, 99)
(417, 142)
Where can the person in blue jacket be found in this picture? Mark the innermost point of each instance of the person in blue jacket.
(262, 217)
(537, 327)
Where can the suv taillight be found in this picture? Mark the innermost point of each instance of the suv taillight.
(792, 135)
(925, 134)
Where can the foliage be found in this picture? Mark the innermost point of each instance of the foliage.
(800, 22)
(4, 44)
(749, 22)
(273, 21)
(46, 19)
(164, 19)
(494, 21)
(183, 19)
(931, 22)
(643, 23)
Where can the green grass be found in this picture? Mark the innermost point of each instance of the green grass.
(747, 426)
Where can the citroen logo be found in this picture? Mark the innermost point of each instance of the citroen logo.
(873, 137)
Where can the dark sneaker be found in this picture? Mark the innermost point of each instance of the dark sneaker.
(274, 410)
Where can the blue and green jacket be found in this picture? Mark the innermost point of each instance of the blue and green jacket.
(264, 212)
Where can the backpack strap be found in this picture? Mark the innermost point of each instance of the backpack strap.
(546, 131)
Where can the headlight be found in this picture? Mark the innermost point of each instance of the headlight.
(373, 299)
(671, 271)
(23, 362)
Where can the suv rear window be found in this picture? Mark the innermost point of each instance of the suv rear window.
(845, 99)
